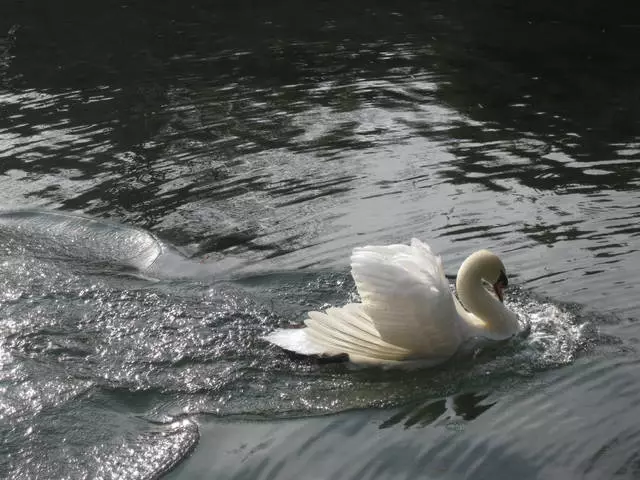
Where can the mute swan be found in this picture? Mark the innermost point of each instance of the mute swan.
(408, 312)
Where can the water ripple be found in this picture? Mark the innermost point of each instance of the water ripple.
(272, 140)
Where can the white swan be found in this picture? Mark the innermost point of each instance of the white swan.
(408, 312)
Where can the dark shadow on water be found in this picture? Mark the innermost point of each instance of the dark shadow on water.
(463, 407)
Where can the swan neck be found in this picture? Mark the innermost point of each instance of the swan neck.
(477, 300)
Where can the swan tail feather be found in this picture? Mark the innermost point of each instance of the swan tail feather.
(294, 340)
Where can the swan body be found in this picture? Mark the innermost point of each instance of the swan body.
(407, 311)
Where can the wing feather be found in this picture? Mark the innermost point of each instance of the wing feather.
(339, 326)
(404, 291)
(337, 331)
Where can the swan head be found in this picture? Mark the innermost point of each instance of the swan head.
(488, 266)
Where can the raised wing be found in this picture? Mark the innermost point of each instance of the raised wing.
(406, 294)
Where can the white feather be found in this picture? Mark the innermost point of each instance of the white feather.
(295, 340)
(407, 312)
(350, 331)
(406, 294)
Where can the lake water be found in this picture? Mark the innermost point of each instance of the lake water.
(234, 153)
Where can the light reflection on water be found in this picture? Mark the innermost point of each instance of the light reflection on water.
(264, 149)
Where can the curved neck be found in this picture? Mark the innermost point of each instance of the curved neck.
(476, 299)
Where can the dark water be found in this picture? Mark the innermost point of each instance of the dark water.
(238, 151)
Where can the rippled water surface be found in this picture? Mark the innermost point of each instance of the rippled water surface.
(225, 157)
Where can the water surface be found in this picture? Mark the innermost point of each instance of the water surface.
(237, 153)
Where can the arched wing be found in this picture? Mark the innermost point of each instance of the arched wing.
(405, 292)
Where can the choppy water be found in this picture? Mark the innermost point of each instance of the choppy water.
(232, 156)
